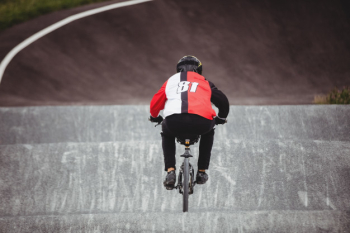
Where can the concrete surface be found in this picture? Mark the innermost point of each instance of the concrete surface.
(295, 181)
(255, 221)
(129, 123)
(68, 178)
(257, 52)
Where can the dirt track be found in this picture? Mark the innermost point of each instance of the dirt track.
(257, 52)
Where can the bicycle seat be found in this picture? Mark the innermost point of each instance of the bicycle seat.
(193, 139)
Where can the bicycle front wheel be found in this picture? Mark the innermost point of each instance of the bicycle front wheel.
(185, 183)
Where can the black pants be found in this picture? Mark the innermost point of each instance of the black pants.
(180, 124)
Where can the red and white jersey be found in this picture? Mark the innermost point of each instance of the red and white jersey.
(184, 92)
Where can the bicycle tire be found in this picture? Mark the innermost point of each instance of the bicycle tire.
(185, 183)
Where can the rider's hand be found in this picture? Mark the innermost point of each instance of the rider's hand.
(219, 121)
(157, 119)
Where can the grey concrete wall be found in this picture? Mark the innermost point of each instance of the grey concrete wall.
(127, 123)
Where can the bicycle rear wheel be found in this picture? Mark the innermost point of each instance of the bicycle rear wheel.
(185, 183)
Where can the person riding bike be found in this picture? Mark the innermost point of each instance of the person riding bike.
(186, 98)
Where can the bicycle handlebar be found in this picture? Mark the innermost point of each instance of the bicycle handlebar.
(162, 122)
(155, 122)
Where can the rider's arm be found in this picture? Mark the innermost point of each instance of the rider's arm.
(219, 99)
(158, 101)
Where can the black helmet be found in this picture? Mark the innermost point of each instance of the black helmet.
(189, 63)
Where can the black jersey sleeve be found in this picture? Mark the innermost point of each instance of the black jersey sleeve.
(219, 99)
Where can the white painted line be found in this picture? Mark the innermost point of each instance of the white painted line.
(59, 24)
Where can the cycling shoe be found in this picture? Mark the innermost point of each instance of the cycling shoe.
(201, 177)
(170, 180)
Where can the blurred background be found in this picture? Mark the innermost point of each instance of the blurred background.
(264, 52)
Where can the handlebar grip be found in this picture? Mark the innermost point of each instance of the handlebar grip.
(221, 124)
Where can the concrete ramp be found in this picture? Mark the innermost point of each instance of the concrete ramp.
(243, 221)
(273, 169)
(128, 123)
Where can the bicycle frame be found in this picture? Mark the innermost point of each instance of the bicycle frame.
(187, 172)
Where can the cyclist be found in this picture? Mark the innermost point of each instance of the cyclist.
(186, 99)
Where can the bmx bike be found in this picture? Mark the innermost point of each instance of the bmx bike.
(186, 180)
